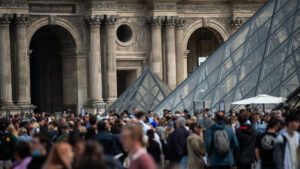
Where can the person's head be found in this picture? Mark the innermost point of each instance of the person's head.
(101, 125)
(132, 137)
(150, 134)
(140, 115)
(3, 124)
(135, 110)
(286, 110)
(150, 113)
(196, 128)
(256, 116)
(92, 157)
(220, 115)
(92, 119)
(180, 122)
(61, 155)
(39, 144)
(274, 124)
(244, 116)
(292, 122)
(65, 128)
(11, 130)
(22, 150)
(22, 131)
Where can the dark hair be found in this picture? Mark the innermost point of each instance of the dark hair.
(22, 149)
(219, 117)
(273, 122)
(291, 118)
(243, 116)
(139, 115)
(92, 119)
(101, 125)
(90, 133)
(150, 134)
(44, 139)
(195, 125)
(3, 124)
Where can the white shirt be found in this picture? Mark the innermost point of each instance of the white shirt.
(292, 141)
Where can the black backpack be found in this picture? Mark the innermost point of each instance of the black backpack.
(6, 146)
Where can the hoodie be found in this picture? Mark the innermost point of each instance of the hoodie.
(215, 158)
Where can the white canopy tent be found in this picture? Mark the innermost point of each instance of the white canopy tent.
(261, 99)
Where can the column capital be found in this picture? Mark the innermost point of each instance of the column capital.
(180, 22)
(156, 21)
(94, 20)
(111, 20)
(170, 21)
(21, 19)
(5, 19)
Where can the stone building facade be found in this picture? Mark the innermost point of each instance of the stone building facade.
(59, 54)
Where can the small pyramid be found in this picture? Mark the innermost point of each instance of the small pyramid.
(262, 57)
(145, 93)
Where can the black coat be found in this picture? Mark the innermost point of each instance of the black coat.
(154, 149)
(176, 144)
(246, 136)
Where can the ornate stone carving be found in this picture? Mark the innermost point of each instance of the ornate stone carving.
(171, 21)
(52, 19)
(111, 20)
(236, 22)
(156, 20)
(101, 5)
(5, 19)
(14, 3)
(124, 7)
(202, 9)
(94, 20)
(21, 19)
(250, 8)
(180, 22)
(169, 6)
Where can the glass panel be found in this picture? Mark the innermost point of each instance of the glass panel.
(274, 60)
(144, 93)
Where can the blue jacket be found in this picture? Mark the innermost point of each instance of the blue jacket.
(216, 159)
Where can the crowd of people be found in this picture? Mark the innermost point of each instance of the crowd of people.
(244, 139)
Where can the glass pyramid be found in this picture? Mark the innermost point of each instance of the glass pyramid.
(262, 57)
(146, 92)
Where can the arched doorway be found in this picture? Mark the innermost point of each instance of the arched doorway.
(52, 69)
(201, 44)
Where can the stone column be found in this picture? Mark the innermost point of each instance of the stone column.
(94, 61)
(111, 62)
(5, 61)
(185, 68)
(156, 61)
(170, 52)
(23, 63)
(179, 50)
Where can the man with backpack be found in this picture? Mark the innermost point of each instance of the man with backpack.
(286, 143)
(245, 154)
(220, 141)
(264, 146)
(7, 145)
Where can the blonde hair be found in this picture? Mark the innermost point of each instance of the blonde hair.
(12, 130)
(136, 132)
(57, 157)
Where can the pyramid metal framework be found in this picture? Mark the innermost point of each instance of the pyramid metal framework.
(262, 57)
(145, 93)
